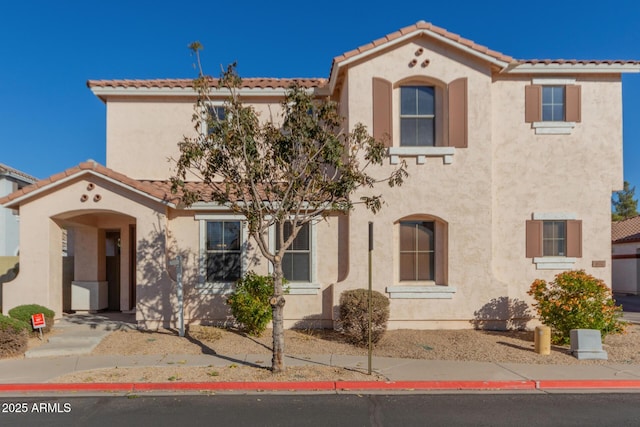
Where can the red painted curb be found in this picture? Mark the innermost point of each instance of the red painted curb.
(325, 386)
(588, 384)
(237, 385)
(436, 385)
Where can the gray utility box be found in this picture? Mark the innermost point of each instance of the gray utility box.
(587, 344)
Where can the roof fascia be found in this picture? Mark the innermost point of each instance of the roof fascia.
(543, 68)
(334, 73)
(104, 92)
(17, 177)
(47, 187)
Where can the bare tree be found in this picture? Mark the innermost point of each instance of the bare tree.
(295, 170)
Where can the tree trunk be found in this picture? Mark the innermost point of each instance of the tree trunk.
(277, 307)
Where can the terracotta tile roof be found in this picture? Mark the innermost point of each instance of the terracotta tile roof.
(248, 83)
(421, 25)
(627, 230)
(160, 190)
(4, 169)
(145, 187)
(578, 62)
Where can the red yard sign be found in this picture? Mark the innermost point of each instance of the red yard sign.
(38, 321)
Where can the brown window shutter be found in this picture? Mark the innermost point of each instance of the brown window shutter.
(574, 239)
(458, 113)
(382, 121)
(534, 239)
(572, 103)
(532, 103)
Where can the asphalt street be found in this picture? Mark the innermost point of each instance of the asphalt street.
(480, 409)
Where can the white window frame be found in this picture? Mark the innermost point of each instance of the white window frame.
(431, 117)
(301, 288)
(219, 288)
(554, 262)
(205, 114)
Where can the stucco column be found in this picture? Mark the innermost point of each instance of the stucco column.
(90, 261)
(89, 290)
(155, 293)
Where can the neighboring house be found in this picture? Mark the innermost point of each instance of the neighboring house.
(512, 164)
(11, 180)
(625, 242)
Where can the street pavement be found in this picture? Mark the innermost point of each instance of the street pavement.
(68, 351)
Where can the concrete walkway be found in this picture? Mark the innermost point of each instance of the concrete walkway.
(68, 351)
(79, 334)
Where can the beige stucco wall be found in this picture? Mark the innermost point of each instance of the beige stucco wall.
(489, 191)
(143, 134)
(572, 174)
(458, 193)
(206, 303)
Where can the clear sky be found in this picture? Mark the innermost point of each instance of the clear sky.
(50, 120)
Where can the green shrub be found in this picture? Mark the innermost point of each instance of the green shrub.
(250, 303)
(354, 316)
(24, 313)
(576, 300)
(14, 336)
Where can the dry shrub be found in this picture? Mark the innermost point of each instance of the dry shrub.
(13, 336)
(354, 316)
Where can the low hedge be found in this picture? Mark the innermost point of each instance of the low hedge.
(354, 316)
(14, 336)
(24, 313)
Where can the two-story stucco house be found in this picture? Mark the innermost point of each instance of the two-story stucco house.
(511, 162)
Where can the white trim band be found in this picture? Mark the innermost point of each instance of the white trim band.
(421, 292)
(554, 216)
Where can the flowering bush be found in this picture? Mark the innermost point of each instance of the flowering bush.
(576, 300)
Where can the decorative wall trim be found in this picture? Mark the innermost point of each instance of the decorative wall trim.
(421, 152)
(554, 263)
(421, 292)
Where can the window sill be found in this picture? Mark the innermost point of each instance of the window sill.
(421, 292)
(421, 153)
(215, 288)
(553, 128)
(554, 263)
(302, 288)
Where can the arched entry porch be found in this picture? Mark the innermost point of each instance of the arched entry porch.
(99, 260)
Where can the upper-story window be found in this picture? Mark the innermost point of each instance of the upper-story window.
(417, 116)
(420, 117)
(216, 114)
(552, 103)
(553, 106)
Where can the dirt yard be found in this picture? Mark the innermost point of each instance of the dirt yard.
(462, 345)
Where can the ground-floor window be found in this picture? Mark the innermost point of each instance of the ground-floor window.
(223, 251)
(296, 262)
(417, 250)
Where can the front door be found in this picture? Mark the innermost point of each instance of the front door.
(112, 242)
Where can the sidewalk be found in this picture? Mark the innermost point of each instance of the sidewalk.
(33, 375)
(68, 354)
